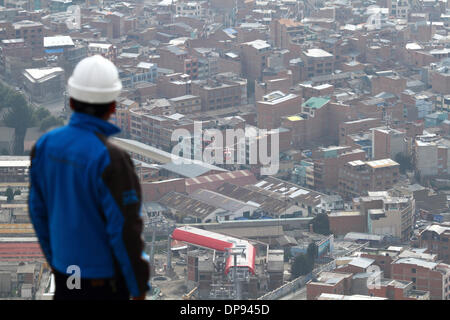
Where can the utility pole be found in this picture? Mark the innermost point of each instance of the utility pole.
(169, 255)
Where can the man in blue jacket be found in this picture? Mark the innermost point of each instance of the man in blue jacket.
(85, 197)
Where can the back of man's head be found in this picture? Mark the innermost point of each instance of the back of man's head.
(94, 86)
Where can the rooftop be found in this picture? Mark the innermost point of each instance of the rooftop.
(315, 102)
(42, 74)
(317, 53)
(276, 97)
(417, 262)
(258, 44)
(58, 41)
(382, 163)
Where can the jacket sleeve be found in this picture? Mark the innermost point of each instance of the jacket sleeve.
(37, 208)
(120, 197)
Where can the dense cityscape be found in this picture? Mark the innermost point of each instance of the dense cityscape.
(285, 149)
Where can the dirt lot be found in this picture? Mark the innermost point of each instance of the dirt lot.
(172, 286)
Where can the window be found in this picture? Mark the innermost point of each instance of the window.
(413, 270)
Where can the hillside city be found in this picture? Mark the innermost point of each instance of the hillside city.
(307, 141)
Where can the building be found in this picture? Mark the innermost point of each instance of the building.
(388, 143)
(156, 130)
(59, 5)
(214, 181)
(327, 164)
(317, 62)
(231, 208)
(332, 296)
(387, 215)
(14, 168)
(21, 251)
(307, 201)
(32, 33)
(425, 275)
(358, 177)
(354, 265)
(107, 50)
(283, 32)
(178, 59)
(436, 238)
(189, 9)
(274, 106)
(397, 290)
(275, 268)
(143, 72)
(268, 205)
(186, 104)
(254, 55)
(440, 79)
(431, 156)
(343, 222)
(398, 8)
(215, 94)
(57, 44)
(329, 282)
(44, 84)
(356, 127)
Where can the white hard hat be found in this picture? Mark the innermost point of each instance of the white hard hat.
(94, 80)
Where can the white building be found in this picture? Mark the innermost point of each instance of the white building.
(189, 9)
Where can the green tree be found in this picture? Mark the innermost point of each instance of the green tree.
(49, 122)
(9, 195)
(311, 252)
(301, 266)
(287, 254)
(321, 224)
(405, 162)
(41, 113)
(19, 115)
(17, 192)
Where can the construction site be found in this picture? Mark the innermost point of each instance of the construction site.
(201, 264)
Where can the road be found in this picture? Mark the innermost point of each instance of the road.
(300, 294)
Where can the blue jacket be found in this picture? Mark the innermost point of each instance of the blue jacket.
(85, 202)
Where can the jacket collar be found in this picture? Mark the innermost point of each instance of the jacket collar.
(92, 123)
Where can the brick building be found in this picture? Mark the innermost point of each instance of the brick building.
(387, 215)
(440, 80)
(343, 222)
(186, 104)
(215, 94)
(254, 56)
(317, 62)
(388, 143)
(329, 282)
(275, 105)
(356, 126)
(155, 190)
(425, 275)
(179, 60)
(358, 177)
(285, 31)
(32, 33)
(397, 290)
(437, 239)
(391, 83)
(174, 85)
(327, 163)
